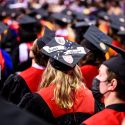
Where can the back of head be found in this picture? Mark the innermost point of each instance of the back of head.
(62, 69)
(39, 57)
(116, 65)
(66, 82)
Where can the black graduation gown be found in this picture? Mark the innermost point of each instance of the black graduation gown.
(111, 115)
(42, 105)
(17, 85)
(12, 115)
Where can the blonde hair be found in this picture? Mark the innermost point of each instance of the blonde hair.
(65, 84)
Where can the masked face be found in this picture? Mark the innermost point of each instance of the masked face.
(102, 77)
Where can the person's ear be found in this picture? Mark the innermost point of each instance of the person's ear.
(31, 55)
(113, 84)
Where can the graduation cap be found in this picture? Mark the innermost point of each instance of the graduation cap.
(3, 13)
(64, 53)
(84, 24)
(39, 13)
(80, 16)
(121, 30)
(67, 12)
(61, 19)
(13, 13)
(3, 30)
(116, 63)
(103, 15)
(47, 37)
(116, 22)
(25, 19)
(96, 37)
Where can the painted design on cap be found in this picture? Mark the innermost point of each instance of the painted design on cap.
(60, 40)
(68, 58)
(53, 49)
(78, 50)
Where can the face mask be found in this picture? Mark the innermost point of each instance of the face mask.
(95, 89)
(97, 95)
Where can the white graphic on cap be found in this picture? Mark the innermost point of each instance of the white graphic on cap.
(68, 58)
(53, 49)
(60, 40)
(78, 50)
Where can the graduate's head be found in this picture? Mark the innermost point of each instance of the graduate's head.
(62, 69)
(94, 39)
(35, 52)
(112, 74)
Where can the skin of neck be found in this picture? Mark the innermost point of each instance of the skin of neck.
(111, 98)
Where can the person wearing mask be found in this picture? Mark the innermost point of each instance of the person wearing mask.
(111, 85)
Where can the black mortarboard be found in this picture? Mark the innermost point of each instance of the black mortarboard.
(39, 13)
(84, 24)
(25, 19)
(13, 13)
(61, 19)
(116, 63)
(47, 37)
(64, 53)
(80, 16)
(116, 22)
(3, 28)
(97, 37)
(121, 30)
(3, 13)
(103, 15)
(67, 12)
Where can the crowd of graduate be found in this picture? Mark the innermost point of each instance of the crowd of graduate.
(62, 62)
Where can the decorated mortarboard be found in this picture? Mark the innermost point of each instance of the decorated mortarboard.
(61, 17)
(46, 38)
(64, 54)
(116, 63)
(96, 37)
(25, 19)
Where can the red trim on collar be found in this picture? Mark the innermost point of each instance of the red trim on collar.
(32, 77)
(84, 103)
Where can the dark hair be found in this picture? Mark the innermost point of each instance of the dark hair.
(120, 88)
(39, 57)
